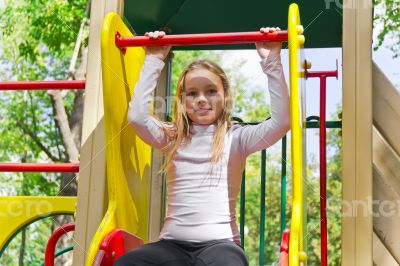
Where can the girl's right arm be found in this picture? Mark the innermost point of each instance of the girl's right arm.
(147, 127)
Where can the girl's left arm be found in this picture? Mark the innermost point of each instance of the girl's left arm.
(258, 137)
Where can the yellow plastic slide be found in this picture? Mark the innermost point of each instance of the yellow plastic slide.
(128, 157)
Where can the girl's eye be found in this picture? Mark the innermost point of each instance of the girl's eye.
(212, 91)
(191, 93)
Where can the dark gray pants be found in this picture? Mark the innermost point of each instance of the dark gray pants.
(182, 253)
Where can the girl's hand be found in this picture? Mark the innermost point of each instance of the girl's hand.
(266, 49)
(160, 52)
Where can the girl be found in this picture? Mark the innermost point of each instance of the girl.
(205, 157)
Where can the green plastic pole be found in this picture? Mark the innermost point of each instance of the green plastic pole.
(242, 207)
(283, 186)
(262, 208)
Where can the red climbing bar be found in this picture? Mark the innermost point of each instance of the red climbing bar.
(42, 85)
(284, 249)
(322, 75)
(39, 167)
(201, 39)
(51, 244)
(322, 171)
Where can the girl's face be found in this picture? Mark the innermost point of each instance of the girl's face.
(204, 96)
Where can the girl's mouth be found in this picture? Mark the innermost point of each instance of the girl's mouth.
(203, 110)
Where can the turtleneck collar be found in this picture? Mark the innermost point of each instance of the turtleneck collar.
(196, 128)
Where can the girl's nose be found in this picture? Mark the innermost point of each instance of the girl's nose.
(201, 99)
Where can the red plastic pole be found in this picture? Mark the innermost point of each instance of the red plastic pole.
(43, 85)
(51, 244)
(322, 75)
(39, 167)
(201, 39)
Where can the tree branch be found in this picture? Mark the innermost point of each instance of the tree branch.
(62, 123)
(37, 141)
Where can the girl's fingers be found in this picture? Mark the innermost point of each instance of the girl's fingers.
(269, 29)
(155, 34)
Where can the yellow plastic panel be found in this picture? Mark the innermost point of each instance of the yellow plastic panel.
(297, 124)
(19, 211)
(128, 157)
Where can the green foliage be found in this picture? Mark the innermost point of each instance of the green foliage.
(37, 235)
(43, 31)
(37, 39)
(388, 20)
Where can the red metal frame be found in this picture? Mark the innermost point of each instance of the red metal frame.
(201, 39)
(43, 85)
(322, 75)
(39, 167)
(284, 248)
(51, 244)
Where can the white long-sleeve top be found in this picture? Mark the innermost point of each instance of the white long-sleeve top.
(202, 196)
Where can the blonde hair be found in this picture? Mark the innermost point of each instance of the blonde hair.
(179, 129)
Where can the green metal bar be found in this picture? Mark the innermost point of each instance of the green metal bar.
(329, 124)
(242, 207)
(311, 123)
(283, 186)
(60, 252)
(262, 208)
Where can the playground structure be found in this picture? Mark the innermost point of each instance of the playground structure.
(368, 144)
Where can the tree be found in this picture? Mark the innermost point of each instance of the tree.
(387, 16)
(39, 41)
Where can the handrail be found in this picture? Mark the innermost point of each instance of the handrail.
(43, 85)
(295, 43)
(201, 39)
(39, 167)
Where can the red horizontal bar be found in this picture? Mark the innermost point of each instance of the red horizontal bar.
(202, 39)
(331, 73)
(39, 167)
(43, 85)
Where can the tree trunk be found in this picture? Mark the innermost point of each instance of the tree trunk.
(22, 247)
(71, 131)
(61, 119)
